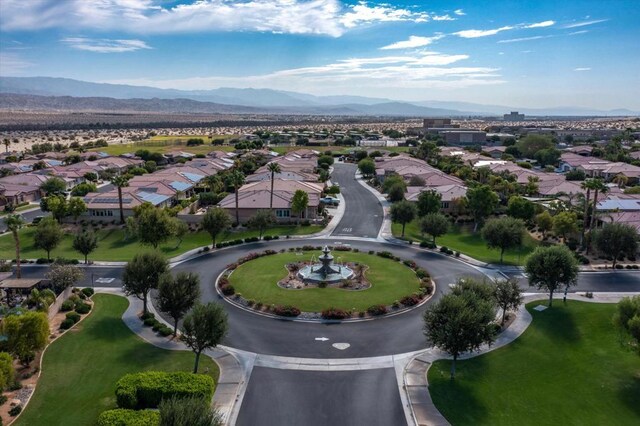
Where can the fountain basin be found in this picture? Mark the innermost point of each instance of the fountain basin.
(314, 273)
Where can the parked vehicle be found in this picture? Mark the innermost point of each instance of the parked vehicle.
(330, 201)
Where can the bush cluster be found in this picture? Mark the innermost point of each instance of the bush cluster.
(410, 300)
(147, 389)
(67, 305)
(427, 244)
(377, 310)
(271, 237)
(87, 291)
(67, 324)
(335, 314)
(124, 417)
(83, 308)
(446, 250)
(73, 316)
(286, 311)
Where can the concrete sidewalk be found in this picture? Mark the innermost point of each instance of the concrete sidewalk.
(232, 381)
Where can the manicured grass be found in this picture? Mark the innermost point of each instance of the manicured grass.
(164, 144)
(258, 280)
(113, 246)
(81, 368)
(568, 368)
(462, 239)
(19, 209)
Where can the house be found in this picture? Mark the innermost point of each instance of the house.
(584, 150)
(14, 194)
(286, 175)
(256, 196)
(448, 194)
(105, 207)
(494, 151)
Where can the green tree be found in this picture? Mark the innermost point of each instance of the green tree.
(180, 229)
(48, 235)
(481, 202)
(63, 276)
(261, 221)
(215, 221)
(85, 243)
(188, 411)
(521, 208)
(56, 204)
(41, 299)
(150, 166)
(507, 295)
(599, 187)
(403, 212)
(392, 180)
(428, 151)
(434, 224)
(177, 295)
(503, 233)
(325, 161)
(565, 223)
(204, 328)
(428, 202)
(26, 334)
(14, 222)
(459, 323)
(236, 178)
(616, 240)
(545, 222)
(273, 168)
(396, 192)
(152, 225)
(627, 318)
(7, 372)
(548, 156)
(142, 274)
(75, 207)
(299, 202)
(83, 189)
(120, 181)
(53, 186)
(530, 144)
(367, 167)
(551, 268)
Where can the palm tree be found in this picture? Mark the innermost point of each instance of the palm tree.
(214, 182)
(588, 185)
(14, 222)
(603, 189)
(120, 182)
(6, 143)
(237, 180)
(273, 168)
(621, 180)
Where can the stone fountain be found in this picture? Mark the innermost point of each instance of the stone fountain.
(325, 270)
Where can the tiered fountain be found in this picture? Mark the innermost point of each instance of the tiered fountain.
(325, 271)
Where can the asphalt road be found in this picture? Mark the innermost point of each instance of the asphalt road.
(28, 217)
(363, 214)
(312, 398)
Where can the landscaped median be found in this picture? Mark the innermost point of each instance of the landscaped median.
(385, 284)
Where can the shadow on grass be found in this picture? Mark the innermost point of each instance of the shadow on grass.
(557, 323)
(455, 399)
(106, 328)
(629, 393)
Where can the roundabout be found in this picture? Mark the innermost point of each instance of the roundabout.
(370, 281)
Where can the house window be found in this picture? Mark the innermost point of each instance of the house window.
(445, 204)
(283, 213)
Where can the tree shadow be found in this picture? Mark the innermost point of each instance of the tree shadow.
(629, 393)
(557, 322)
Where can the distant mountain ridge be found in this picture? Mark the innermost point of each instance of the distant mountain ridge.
(233, 100)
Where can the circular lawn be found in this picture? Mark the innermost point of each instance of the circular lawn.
(390, 281)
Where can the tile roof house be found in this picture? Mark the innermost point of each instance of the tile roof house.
(448, 193)
(105, 206)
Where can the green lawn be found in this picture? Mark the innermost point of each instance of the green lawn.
(112, 245)
(258, 279)
(19, 209)
(568, 368)
(80, 369)
(466, 242)
(164, 144)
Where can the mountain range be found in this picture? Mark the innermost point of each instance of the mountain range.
(49, 93)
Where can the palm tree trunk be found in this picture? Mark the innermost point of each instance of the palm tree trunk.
(237, 211)
(593, 211)
(271, 199)
(120, 203)
(586, 216)
(16, 237)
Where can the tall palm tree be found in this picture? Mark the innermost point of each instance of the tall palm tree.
(14, 222)
(273, 168)
(621, 180)
(237, 180)
(588, 185)
(603, 189)
(120, 182)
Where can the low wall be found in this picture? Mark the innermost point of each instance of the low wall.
(55, 306)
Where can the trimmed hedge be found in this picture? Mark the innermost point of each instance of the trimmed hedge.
(73, 316)
(147, 389)
(83, 308)
(122, 417)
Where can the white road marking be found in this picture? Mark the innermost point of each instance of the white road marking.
(105, 280)
(347, 230)
(341, 346)
(323, 339)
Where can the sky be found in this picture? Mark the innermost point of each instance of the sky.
(527, 53)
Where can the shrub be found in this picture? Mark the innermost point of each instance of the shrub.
(426, 285)
(156, 327)
(618, 266)
(14, 411)
(421, 273)
(251, 239)
(165, 331)
(228, 290)
(7, 372)
(377, 310)
(3, 399)
(122, 417)
(67, 324)
(146, 315)
(335, 314)
(87, 291)
(286, 311)
(322, 284)
(67, 305)
(83, 308)
(74, 316)
(150, 322)
(385, 254)
(410, 263)
(410, 300)
(147, 389)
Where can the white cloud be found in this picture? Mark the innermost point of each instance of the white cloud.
(579, 32)
(412, 42)
(482, 33)
(515, 40)
(584, 23)
(442, 17)
(105, 45)
(459, 12)
(13, 64)
(325, 17)
(582, 69)
(540, 24)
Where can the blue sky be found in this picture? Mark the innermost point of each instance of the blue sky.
(541, 53)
